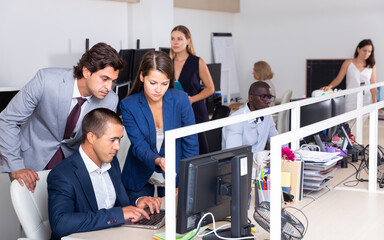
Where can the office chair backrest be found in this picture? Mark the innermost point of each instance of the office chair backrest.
(214, 136)
(32, 208)
(282, 117)
(221, 111)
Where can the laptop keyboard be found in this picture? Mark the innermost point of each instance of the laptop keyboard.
(154, 219)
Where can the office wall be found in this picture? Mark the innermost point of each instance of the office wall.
(286, 33)
(150, 21)
(46, 33)
(202, 23)
(41, 33)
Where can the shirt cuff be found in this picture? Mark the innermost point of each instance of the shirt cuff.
(137, 200)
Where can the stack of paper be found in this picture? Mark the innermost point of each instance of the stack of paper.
(318, 168)
(315, 185)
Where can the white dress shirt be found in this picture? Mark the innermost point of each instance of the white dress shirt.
(252, 132)
(101, 181)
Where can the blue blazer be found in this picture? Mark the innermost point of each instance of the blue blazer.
(72, 205)
(140, 126)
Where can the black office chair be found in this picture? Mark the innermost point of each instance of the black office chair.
(221, 111)
(214, 136)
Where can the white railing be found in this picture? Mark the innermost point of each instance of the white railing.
(276, 142)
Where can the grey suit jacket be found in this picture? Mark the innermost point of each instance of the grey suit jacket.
(32, 125)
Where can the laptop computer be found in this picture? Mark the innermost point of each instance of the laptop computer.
(156, 221)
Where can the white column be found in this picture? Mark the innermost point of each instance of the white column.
(151, 21)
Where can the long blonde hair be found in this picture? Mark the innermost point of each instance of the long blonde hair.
(187, 33)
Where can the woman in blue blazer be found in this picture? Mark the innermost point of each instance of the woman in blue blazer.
(152, 107)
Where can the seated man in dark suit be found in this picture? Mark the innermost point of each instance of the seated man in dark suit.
(85, 192)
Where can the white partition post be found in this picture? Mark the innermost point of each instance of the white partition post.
(170, 203)
(275, 197)
(373, 128)
(359, 120)
(295, 124)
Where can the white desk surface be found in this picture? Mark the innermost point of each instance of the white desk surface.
(122, 232)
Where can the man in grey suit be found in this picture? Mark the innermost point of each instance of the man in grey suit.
(33, 134)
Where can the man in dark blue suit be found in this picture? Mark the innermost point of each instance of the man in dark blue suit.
(85, 190)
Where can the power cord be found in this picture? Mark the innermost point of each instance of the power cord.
(364, 165)
(214, 229)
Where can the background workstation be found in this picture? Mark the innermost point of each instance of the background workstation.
(40, 33)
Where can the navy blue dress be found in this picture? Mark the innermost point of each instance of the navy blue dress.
(190, 81)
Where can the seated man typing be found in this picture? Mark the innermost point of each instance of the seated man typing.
(255, 132)
(85, 190)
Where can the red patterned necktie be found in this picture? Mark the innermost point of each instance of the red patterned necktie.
(70, 126)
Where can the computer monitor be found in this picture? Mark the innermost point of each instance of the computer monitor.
(165, 49)
(122, 91)
(138, 55)
(220, 183)
(125, 75)
(215, 71)
(6, 97)
(315, 112)
(132, 58)
(338, 107)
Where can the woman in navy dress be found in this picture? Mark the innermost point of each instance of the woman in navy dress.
(189, 70)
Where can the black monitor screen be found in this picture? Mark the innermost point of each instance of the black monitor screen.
(315, 112)
(338, 106)
(139, 53)
(320, 72)
(125, 75)
(6, 97)
(165, 49)
(215, 71)
(219, 183)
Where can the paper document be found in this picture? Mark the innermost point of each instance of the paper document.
(315, 156)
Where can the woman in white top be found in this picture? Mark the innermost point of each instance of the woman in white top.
(360, 70)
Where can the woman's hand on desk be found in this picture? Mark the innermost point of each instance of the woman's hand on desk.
(134, 214)
(151, 202)
(326, 88)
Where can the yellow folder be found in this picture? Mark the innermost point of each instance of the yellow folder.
(295, 168)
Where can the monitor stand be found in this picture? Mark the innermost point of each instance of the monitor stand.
(319, 142)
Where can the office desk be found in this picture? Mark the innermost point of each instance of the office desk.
(118, 233)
